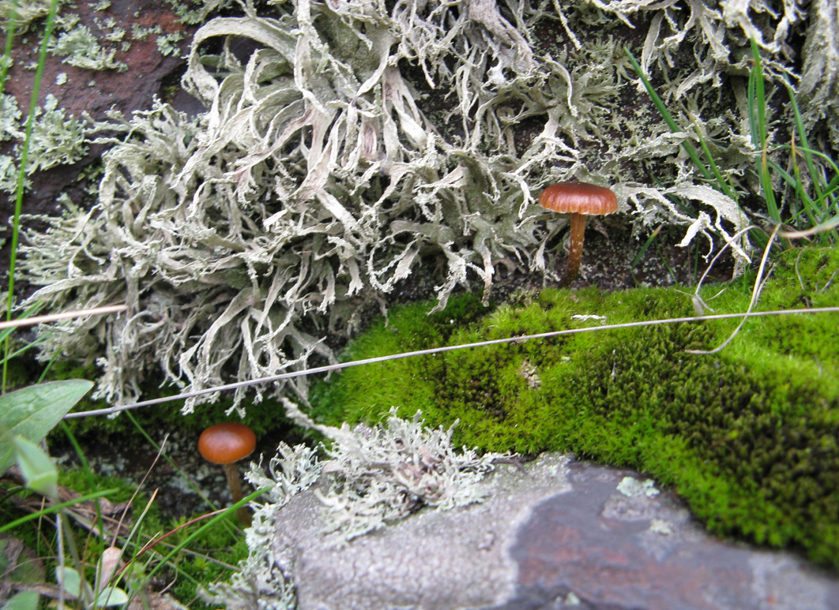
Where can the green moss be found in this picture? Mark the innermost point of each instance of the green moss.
(747, 436)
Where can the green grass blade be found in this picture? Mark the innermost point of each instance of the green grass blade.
(56, 508)
(21, 176)
(757, 123)
(815, 175)
(7, 51)
(723, 184)
(668, 118)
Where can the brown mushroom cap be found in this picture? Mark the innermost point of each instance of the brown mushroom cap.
(579, 198)
(226, 442)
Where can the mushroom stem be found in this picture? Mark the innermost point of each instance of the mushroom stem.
(233, 481)
(575, 248)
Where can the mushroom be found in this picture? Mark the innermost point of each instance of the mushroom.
(226, 444)
(579, 199)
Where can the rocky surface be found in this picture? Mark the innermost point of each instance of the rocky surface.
(557, 534)
(150, 74)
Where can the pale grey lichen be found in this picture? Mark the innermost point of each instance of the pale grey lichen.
(9, 118)
(373, 476)
(57, 139)
(8, 174)
(79, 47)
(381, 474)
(26, 11)
(358, 139)
(819, 86)
(261, 581)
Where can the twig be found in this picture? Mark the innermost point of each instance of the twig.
(65, 315)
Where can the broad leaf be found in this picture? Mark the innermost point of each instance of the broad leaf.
(25, 600)
(70, 579)
(32, 412)
(112, 596)
(40, 473)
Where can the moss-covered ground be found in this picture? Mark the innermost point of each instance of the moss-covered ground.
(748, 436)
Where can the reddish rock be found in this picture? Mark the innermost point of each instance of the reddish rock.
(149, 73)
(124, 91)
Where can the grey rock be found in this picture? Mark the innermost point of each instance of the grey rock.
(433, 560)
(556, 534)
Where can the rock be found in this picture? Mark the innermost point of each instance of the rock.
(558, 534)
(149, 74)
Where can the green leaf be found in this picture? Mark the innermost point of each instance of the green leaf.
(25, 600)
(112, 596)
(40, 473)
(32, 412)
(70, 580)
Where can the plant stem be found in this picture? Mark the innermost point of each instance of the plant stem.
(21, 177)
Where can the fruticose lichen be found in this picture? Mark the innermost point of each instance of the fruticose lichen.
(57, 139)
(373, 476)
(80, 48)
(261, 581)
(380, 474)
(360, 138)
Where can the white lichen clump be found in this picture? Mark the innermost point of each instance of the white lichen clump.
(373, 476)
(56, 139)
(79, 47)
(381, 474)
(354, 141)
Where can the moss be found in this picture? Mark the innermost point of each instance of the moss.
(747, 435)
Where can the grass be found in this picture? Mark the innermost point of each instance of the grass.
(187, 554)
(21, 178)
(746, 436)
(810, 199)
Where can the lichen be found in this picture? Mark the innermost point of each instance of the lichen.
(79, 47)
(356, 141)
(260, 581)
(139, 32)
(167, 44)
(8, 174)
(373, 476)
(57, 139)
(9, 118)
(26, 11)
(390, 470)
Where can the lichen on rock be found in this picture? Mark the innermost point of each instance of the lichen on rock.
(373, 476)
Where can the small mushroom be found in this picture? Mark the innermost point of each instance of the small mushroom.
(579, 199)
(226, 444)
